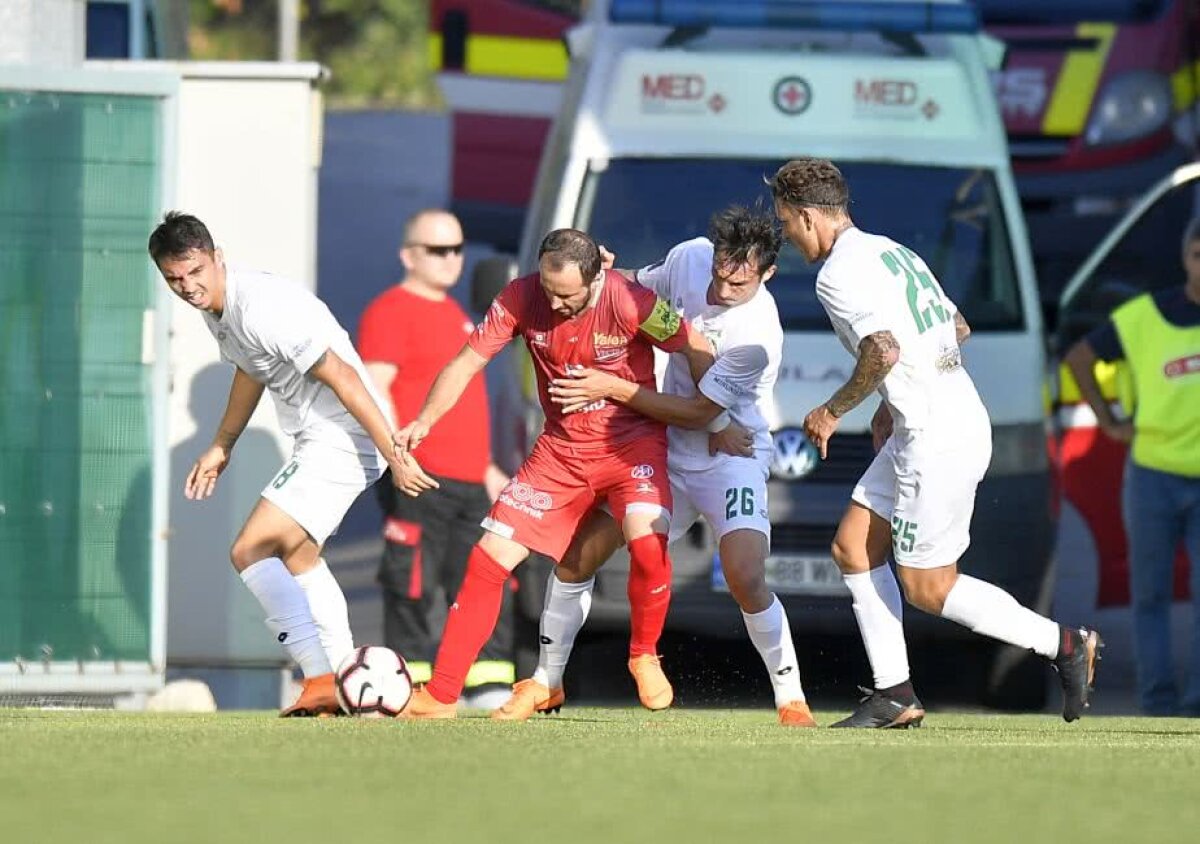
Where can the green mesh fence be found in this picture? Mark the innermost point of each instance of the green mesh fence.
(79, 193)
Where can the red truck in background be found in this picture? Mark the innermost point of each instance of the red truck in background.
(1098, 97)
(1099, 101)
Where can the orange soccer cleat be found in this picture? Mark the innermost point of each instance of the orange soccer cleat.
(795, 713)
(317, 699)
(425, 707)
(528, 697)
(654, 689)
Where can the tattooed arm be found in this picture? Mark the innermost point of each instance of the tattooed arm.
(961, 329)
(877, 354)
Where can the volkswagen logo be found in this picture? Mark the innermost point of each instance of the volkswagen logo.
(794, 455)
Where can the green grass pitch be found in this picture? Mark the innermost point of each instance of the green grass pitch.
(594, 775)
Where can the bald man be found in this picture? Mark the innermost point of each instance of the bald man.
(406, 336)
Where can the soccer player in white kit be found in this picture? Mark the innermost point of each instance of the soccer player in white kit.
(934, 444)
(718, 286)
(283, 339)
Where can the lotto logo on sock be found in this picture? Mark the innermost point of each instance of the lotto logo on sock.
(282, 637)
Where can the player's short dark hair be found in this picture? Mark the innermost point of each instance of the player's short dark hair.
(178, 235)
(811, 183)
(571, 246)
(740, 234)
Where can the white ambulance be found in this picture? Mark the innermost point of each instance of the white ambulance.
(677, 108)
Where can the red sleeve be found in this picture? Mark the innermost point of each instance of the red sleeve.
(500, 323)
(656, 320)
(380, 334)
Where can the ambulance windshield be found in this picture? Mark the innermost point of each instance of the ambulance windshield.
(951, 217)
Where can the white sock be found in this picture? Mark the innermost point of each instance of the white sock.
(880, 612)
(771, 634)
(327, 604)
(288, 616)
(991, 611)
(565, 611)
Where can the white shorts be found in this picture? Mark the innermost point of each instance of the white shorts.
(928, 495)
(730, 496)
(317, 485)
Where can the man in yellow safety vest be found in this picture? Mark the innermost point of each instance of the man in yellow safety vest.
(1158, 336)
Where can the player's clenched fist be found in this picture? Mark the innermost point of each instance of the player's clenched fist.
(202, 480)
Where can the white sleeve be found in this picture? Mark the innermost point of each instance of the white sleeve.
(664, 276)
(848, 302)
(299, 333)
(735, 375)
(656, 277)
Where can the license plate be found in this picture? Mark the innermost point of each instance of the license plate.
(793, 574)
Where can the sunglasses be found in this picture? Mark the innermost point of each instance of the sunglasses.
(440, 251)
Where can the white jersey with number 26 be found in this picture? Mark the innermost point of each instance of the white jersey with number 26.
(870, 283)
(748, 343)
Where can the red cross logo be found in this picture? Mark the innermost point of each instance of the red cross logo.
(792, 95)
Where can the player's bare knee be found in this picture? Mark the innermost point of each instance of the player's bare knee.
(849, 560)
(925, 589)
(747, 582)
(574, 569)
(246, 551)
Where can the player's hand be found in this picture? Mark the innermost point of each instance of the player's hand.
(882, 425)
(607, 259)
(406, 440)
(1122, 431)
(732, 439)
(494, 481)
(580, 388)
(409, 477)
(202, 480)
(819, 426)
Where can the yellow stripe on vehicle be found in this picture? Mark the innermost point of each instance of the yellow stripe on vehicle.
(1183, 85)
(433, 44)
(1107, 378)
(515, 58)
(1077, 82)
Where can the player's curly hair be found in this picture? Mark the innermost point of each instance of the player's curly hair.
(811, 183)
(178, 235)
(740, 234)
(571, 246)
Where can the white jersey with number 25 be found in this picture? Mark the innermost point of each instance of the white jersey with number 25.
(871, 283)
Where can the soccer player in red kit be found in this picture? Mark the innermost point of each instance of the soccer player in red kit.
(571, 314)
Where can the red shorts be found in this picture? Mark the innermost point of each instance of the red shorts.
(558, 485)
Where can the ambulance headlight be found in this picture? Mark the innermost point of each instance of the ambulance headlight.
(1131, 106)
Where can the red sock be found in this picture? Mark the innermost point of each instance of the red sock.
(649, 592)
(470, 622)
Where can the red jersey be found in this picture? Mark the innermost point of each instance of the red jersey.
(419, 337)
(614, 335)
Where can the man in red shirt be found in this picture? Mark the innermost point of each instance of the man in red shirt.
(405, 337)
(571, 314)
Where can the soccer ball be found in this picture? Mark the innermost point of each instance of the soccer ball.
(373, 682)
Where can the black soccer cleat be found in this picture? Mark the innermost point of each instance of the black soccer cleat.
(880, 711)
(1078, 654)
